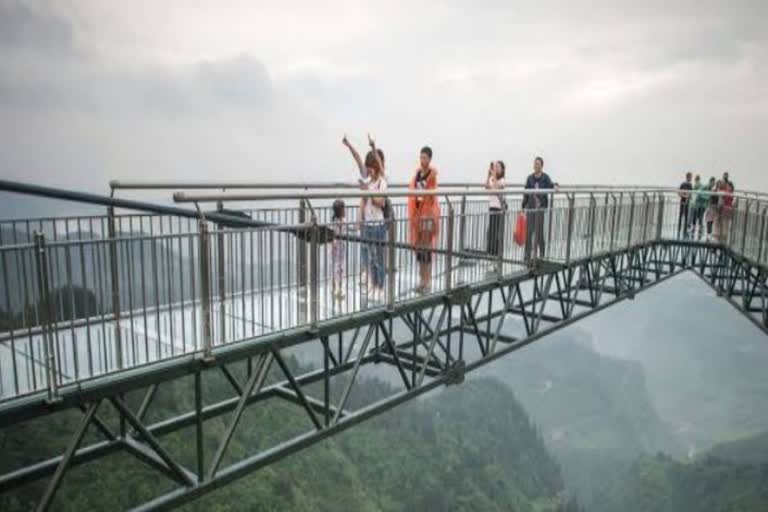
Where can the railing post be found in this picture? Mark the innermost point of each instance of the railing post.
(314, 278)
(631, 218)
(646, 214)
(301, 261)
(115, 283)
(660, 223)
(571, 214)
(746, 224)
(761, 245)
(221, 277)
(205, 288)
(462, 222)
(613, 223)
(593, 223)
(390, 264)
(449, 248)
(45, 309)
(302, 246)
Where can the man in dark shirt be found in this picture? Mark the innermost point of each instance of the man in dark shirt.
(536, 206)
(685, 201)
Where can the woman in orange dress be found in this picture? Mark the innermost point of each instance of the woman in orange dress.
(424, 218)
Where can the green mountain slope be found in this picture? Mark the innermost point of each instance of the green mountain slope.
(467, 448)
(751, 450)
(704, 363)
(662, 484)
(594, 411)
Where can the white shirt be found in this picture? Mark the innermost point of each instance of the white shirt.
(373, 213)
(494, 200)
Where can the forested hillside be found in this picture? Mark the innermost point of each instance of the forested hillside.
(467, 448)
(662, 484)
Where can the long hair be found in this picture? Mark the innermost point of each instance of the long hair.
(371, 163)
(503, 168)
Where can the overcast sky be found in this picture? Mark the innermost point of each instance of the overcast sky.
(92, 90)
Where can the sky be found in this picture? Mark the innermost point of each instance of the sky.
(616, 92)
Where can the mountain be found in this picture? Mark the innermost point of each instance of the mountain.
(594, 411)
(704, 362)
(662, 484)
(468, 448)
(750, 450)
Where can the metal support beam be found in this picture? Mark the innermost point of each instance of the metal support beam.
(74, 443)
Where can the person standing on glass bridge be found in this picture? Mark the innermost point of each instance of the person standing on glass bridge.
(372, 159)
(727, 210)
(685, 200)
(424, 217)
(700, 202)
(712, 215)
(536, 206)
(497, 207)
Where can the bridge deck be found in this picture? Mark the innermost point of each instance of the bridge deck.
(256, 287)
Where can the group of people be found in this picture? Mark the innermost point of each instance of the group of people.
(424, 218)
(535, 206)
(706, 210)
(375, 211)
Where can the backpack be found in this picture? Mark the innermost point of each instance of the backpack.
(388, 211)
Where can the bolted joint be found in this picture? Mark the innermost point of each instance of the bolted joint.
(455, 374)
(459, 296)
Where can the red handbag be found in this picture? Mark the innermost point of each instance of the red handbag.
(521, 229)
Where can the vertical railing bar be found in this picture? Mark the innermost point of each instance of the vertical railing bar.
(205, 288)
(660, 225)
(301, 260)
(142, 261)
(130, 280)
(593, 223)
(73, 310)
(46, 313)
(11, 329)
(631, 218)
(251, 264)
(193, 284)
(449, 247)
(221, 277)
(182, 299)
(155, 278)
(569, 235)
(115, 286)
(313, 274)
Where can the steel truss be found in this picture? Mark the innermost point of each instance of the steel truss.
(427, 342)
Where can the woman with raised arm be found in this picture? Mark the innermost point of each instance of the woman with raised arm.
(497, 207)
(372, 159)
(373, 228)
(424, 218)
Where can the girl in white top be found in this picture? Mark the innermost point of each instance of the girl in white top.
(373, 228)
(496, 209)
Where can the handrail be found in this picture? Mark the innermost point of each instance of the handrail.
(128, 204)
(213, 185)
(182, 197)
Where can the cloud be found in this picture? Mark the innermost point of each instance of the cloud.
(624, 92)
(22, 27)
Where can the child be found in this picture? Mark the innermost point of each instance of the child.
(338, 248)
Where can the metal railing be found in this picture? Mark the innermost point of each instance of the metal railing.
(87, 296)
